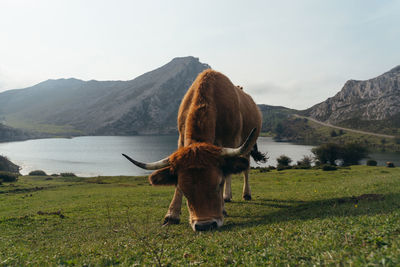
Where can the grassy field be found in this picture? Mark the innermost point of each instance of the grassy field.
(296, 217)
(43, 128)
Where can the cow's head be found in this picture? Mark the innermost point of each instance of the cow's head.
(199, 170)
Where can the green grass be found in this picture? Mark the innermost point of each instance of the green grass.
(296, 217)
(50, 129)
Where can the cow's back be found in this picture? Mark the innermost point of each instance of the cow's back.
(217, 112)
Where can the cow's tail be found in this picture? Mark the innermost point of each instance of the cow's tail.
(257, 155)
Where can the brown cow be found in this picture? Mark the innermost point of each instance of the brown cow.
(215, 118)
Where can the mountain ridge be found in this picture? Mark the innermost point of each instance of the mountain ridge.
(376, 99)
(143, 105)
(148, 104)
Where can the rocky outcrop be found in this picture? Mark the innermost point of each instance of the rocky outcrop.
(153, 108)
(371, 100)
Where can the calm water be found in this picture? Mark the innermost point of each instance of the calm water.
(101, 155)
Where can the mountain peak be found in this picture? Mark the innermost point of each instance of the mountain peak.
(147, 104)
(62, 81)
(395, 69)
(188, 60)
(185, 59)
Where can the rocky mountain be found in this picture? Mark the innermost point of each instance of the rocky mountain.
(147, 104)
(362, 103)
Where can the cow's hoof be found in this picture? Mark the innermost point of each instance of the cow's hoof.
(224, 213)
(227, 200)
(169, 220)
(247, 197)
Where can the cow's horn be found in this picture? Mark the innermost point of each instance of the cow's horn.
(231, 152)
(149, 166)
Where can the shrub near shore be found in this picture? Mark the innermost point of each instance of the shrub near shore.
(7, 166)
(297, 217)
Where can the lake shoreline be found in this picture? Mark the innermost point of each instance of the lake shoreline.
(91, 156)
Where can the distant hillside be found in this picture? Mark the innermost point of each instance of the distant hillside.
(372, 104)
(145, 105)
(274, 116)
(149, 104)
(11, 134)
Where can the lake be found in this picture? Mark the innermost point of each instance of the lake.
(101, 155)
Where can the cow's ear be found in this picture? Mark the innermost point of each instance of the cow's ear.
(163, 177)
(233, 165)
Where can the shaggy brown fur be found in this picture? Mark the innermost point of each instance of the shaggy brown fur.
(216, 112)
(257, 155)
(195, 156)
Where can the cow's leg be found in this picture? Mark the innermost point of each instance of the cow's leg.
(228, 189)
(174, 210)
(246, 185)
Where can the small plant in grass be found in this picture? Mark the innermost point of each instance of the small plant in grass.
(305, 162)
(372, 162)
(8, 176)
(390, 164)
(328, 167)
(67, 174)
(262, 169)
(37, 173)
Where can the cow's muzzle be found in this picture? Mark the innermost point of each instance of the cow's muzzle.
(207, 225)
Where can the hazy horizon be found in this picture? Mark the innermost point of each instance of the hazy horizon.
(291, 53)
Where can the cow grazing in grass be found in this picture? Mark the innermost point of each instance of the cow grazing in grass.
(218, 126)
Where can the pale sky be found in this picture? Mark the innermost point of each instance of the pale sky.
(291, 53)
